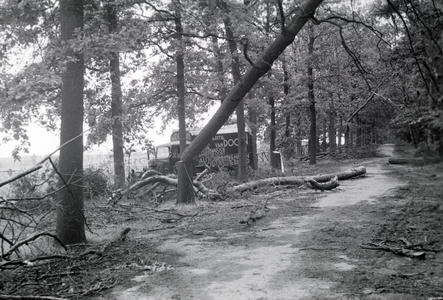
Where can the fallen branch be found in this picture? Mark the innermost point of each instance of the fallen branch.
(30, 239)
(150, 173)
(348, 174)
(39, 165)
(120, 238)
(331, 184)
(395, 250)
(299, 180)
(200, 176)
(255, 215)
(413, 160)
(198, 187)
(18, 176)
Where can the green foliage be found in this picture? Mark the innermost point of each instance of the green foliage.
(43, 183)
(416, 63)
(96, 181)
(35, 185)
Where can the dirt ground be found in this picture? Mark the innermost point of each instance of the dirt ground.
(310, 244)
(379, 236)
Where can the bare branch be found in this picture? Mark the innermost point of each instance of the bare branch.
(30, 239)
(29, 171)
(282, 16)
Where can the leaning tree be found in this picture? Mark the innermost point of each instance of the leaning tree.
(260, 67)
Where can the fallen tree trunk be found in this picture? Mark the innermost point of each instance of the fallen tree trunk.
(354, 172)
(158, 179)
(329, 181)
(331, 184)
(299, 180)
(413, 160)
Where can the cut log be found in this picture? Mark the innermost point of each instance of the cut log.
(299, 180)
(331, 184)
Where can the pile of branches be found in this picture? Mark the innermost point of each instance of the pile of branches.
(154, 179)
(76, 272)
(319, 182)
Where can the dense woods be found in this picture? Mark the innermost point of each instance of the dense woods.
(357, 73)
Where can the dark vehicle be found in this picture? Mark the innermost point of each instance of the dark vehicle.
(221, 152)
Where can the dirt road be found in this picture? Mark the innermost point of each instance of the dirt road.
(307, 247)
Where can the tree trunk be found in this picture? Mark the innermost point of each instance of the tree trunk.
(260, 68)
(348, 138)
(311, 98)
(312, 148)
(70, 227)
(331, 131)
(273, 159)
(359, 132)
(253, 121)
(116, 105)
(298, 137)
(185, 191)
(240, 110)
(340, 132)
(288, 114)
(242, 146)
(324, 141)
(221, 84)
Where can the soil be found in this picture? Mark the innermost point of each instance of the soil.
(310, 244)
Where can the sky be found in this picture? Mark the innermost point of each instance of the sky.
(44, 142)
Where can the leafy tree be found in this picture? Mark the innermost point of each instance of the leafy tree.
(185, 169)
(29, 87)
(416, 36)
(116, 103)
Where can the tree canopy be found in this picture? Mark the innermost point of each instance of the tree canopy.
(375, 65)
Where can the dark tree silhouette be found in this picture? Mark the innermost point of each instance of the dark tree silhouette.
(70, 218)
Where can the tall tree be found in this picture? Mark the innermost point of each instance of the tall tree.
(273, 159)
(260, 67)
(70, 215)
(311, 98)
(185, 194)
(240, 110)
(116, 103)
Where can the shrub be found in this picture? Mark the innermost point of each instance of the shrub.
(96, 182)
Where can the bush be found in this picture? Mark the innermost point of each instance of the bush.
(34, 185)
(96, 182)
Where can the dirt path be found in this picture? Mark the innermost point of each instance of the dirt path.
(285, 255)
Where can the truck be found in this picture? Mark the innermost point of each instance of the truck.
(220, 153)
